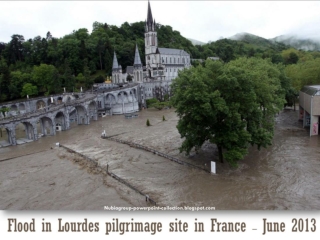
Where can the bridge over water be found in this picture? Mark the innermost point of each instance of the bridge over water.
(55, 113)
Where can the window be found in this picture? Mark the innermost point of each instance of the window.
(170, 60)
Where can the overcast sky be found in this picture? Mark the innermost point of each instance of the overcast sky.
(201, 20)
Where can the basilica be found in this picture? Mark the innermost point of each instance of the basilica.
(162, 65)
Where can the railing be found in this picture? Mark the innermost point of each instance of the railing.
(138, 146)
(15, 102)
(44, 111)
(106, 170)
(129, 85)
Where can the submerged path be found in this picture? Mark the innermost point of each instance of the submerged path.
(96, 165)
(138, 146)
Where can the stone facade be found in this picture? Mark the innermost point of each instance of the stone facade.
(56, 113)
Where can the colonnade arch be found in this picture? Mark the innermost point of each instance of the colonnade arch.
(60, 122)
(46, 126)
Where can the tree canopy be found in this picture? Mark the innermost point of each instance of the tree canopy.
(231, 105)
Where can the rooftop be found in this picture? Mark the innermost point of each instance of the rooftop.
(173, 51)
(311, 90)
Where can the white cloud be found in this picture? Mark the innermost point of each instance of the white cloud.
(201, 20)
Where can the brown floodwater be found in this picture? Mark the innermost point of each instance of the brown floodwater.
(286, 175)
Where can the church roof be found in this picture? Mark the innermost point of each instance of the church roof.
(137, 59)
(172, 51)
(115, 61)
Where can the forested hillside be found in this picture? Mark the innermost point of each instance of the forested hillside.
(46, 64)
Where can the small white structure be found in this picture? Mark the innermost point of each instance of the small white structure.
(213, 167)
(58, 127)
(103, 134)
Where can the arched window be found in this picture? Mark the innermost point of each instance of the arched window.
(166, 60)
(178, 60)
(170, 60)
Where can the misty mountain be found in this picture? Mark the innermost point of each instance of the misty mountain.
(306, 44)
(256, 40)
(196, 42)
(298, 42)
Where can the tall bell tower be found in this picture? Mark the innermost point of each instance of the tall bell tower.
(150, 36)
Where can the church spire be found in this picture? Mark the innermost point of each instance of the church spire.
(137, 59)
(149, 18)
(115, 64)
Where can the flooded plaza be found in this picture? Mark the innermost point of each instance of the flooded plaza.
(38, 175)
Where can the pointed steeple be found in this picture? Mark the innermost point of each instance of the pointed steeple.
(115, 64)
(149, 18)
(137, 59)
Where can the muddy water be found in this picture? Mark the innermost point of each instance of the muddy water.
(284, 176)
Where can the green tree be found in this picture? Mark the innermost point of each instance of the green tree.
(230, 105)
(80, 81)
(44, 77)
(5, 79)
(68, 77)
(4, 110)
(151, 101)
(17, 80)
(29, 89)
(293, 58)
(15, 48)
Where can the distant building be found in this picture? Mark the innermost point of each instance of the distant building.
(202, 60)
(199, 60)
(309, 109)
(162, 65)
(214, 58)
